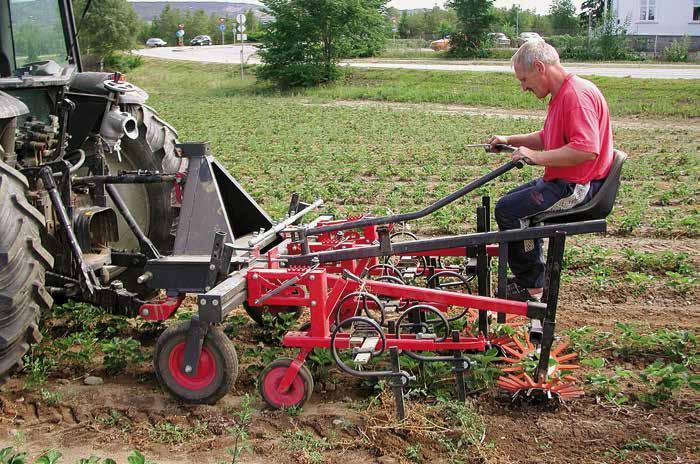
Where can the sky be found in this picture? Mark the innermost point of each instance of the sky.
(541, 6)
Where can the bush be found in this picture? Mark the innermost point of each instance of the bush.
(678, 50)
(122, 62)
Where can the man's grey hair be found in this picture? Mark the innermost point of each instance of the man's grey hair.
(533, 50)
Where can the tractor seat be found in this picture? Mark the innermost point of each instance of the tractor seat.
(597, 208)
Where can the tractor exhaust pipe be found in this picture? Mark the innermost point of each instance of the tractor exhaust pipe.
(117, 124)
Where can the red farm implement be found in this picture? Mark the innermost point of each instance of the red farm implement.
(350, 275)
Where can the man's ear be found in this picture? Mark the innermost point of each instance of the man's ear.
(540, 67)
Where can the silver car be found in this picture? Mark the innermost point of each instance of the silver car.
(499, 39)
(156, 42)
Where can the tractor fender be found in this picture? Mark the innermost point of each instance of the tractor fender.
(93, 83)
(10, 107)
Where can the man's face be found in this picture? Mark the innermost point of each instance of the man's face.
(533, 79)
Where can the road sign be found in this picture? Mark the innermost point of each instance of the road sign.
(241, 28)
(241, 37)
(222, 20)
(240, 18)
(180, 33)
(222, 27)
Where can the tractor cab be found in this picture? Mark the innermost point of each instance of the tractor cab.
(37, 38)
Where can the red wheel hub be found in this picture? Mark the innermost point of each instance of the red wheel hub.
(271, 382)
(206, 369)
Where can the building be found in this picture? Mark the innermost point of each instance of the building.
(656, 23)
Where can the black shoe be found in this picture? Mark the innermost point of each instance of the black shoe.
(517, 293)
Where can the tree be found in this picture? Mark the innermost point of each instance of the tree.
(562, 17)
(595, 7)
(303, 44)
(165, 25)
(475, 18)
(108, 26)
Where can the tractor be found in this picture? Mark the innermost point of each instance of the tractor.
(54, 114)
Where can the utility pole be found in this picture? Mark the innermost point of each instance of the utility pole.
(517, 21)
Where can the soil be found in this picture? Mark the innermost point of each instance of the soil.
(129, 411)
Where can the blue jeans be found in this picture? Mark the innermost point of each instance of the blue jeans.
(525, 257)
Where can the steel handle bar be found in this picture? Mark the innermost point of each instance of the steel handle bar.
(395, 218)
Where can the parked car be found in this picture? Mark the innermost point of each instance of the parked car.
(442, 44)
(499, 39)
(525, 36)
(201, 40)
(156, 42)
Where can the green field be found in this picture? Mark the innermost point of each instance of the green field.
(375, 157)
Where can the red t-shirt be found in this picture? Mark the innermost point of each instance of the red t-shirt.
(578, 116)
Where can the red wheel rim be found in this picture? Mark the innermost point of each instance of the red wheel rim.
(294, 394)
(206, 369)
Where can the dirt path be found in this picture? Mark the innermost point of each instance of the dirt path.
(463, 110)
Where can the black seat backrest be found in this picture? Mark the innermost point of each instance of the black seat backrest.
(598, 207)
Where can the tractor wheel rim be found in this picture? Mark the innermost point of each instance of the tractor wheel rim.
(293, 395)
(206, 369)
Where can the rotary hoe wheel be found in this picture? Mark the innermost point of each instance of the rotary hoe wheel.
(522, 356)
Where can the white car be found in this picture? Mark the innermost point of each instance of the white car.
(525, 36)
(499, 39)
(156, 42)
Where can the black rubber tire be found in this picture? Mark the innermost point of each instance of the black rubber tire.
(222, 352)
(23, 265)
(256, 312)
(307, 383)
(153, 150)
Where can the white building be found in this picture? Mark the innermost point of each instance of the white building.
(661, 21)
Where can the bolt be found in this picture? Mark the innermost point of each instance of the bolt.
(202, 301)
(312, 277)
(188, 369)
(215, 302)
(212, 267)
(145, 312)
(255, 277)
(313, 302)
(207, 288)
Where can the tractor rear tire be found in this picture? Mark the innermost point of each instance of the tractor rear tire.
(153, 150)
(23, 265)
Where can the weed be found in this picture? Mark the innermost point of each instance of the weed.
(585, 340)
(51, 398)
(413, 453)
(173, 434)
(645, 444)
(306, 442)
(680, 282)
(240, 445)
(483, 372)
(676, 345)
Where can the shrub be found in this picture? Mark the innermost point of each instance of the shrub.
(678, 50)
(122, 62)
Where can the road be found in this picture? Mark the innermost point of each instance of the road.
(230, 54)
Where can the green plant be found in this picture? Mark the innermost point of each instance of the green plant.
(413, 453)
(173, 434)
(664, 379)
(276, 325)
(640, 281)
(302, 440)
(122, 62)
(119, 352)
(241, 444)
(608, 385)
(678, 50)
(51, 398)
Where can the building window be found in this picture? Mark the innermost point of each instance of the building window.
(647, 10)
(696, 10)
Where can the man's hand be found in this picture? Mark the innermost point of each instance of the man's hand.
(526, 155)
(497, 140)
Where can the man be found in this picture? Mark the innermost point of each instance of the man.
(575, 147)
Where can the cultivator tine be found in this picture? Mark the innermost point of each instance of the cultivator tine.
(397, 383)
(460, 366)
